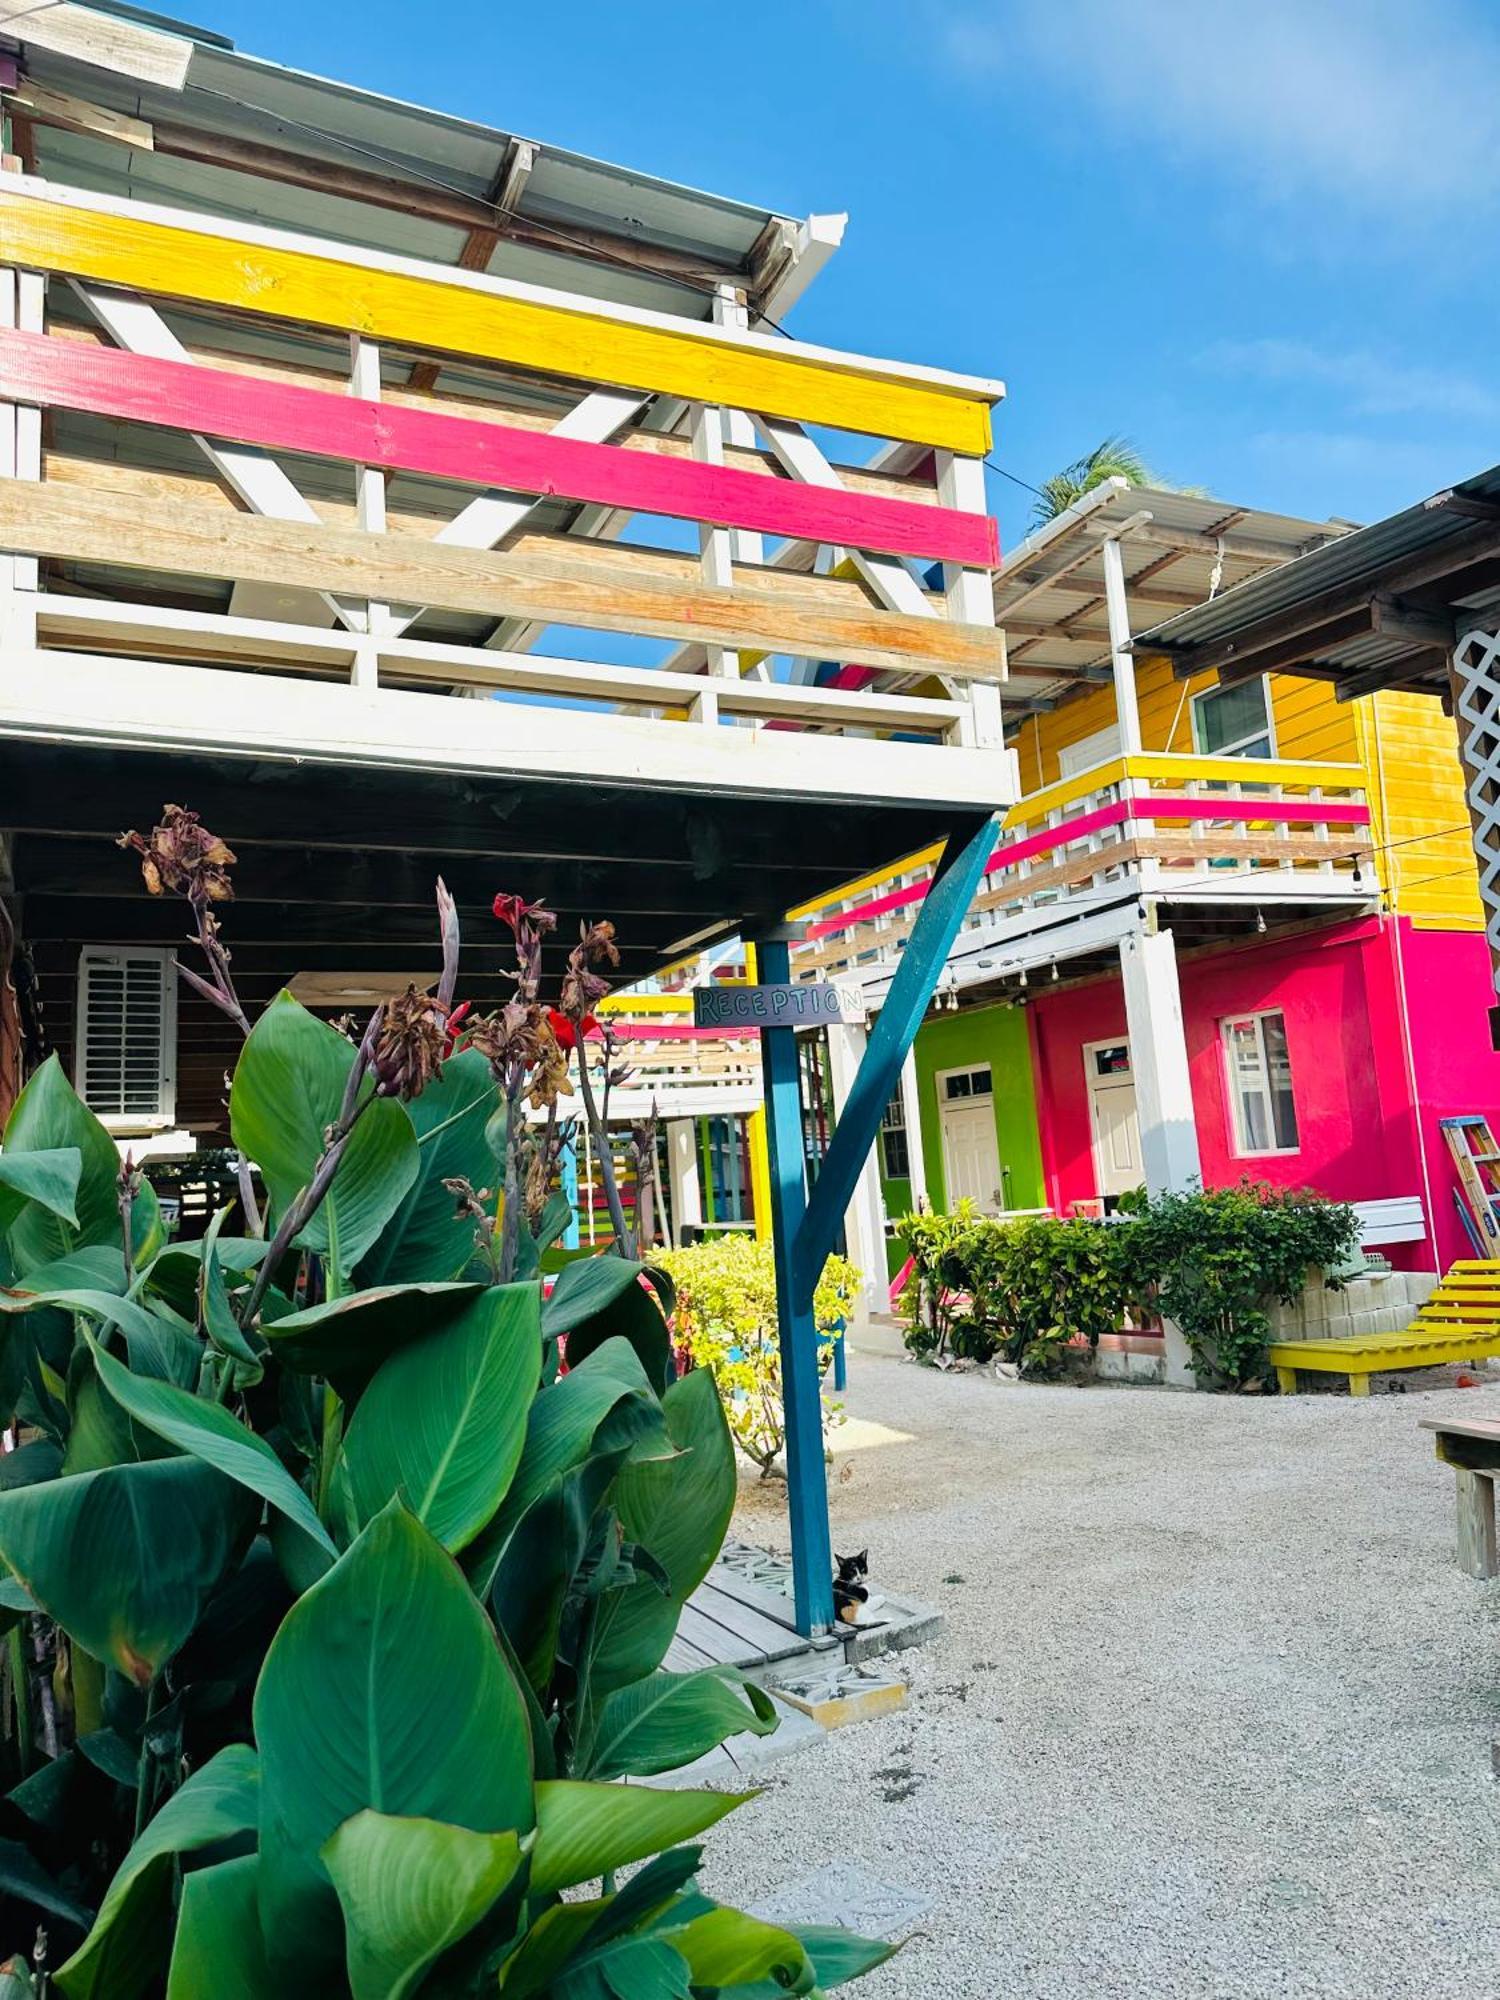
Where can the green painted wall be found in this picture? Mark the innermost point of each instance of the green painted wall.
(996, 1035)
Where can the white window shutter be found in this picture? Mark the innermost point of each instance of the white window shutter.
(126, 1063)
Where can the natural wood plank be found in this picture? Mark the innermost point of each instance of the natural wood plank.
(126, 48)
(181, 396)
(570, 587)
(270, 276)
(76, 114)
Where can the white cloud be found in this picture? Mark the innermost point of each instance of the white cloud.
(1393, 105)
(1367, 384)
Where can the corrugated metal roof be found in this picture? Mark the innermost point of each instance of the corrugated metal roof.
(1348, 571)
(1185, 548)
(247, 97)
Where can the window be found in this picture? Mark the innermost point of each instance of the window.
(1260, 1084)
(960, 1083)
(1234, 721)
(895, 1160)
(1110, 1059)
(127, 1037)
(1088, 751)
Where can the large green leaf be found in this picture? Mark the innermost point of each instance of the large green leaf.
(584, 1830)
(159, 1344)
(540, 1560)
(427, 1237)
(101, 1433)
(287, 1091)
(47, 1117)
(724, 1947)
(601, 1407)
(384, 1688)
(565, 1419)
(628, 1968)
(837, 1957)
(219, 1952)
(598, 1298)
(679, 1510)
(443, 1422)
(410, 1888)
(213, 1434)
(50, 1179)
(124, 1952)
(22, 1876)
(347, 1338)
(666, 1721)
(125, 1559)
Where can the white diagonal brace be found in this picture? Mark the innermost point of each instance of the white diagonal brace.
(254, 475)
(888, 576)
(488, 519)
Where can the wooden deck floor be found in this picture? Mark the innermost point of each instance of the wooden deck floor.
(739, 1616)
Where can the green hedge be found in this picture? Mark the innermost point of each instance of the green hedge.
(1213, 1261)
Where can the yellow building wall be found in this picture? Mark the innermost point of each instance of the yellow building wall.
(1309, 724)
(1406, 744)
(1419, 814)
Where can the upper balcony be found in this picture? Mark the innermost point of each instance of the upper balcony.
(1213, 844)
(321, 416)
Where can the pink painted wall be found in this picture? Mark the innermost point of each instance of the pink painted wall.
(1338, 990)
(1448, 996)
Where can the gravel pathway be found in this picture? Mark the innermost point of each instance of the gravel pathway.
(1212, 1713)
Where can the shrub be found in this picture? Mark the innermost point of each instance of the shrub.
(724, 1320)
(331, 1607)
(1212, 1260)
(1021, 1289)
(1218, 1258)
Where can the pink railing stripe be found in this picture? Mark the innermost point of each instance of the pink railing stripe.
(1149, 807)
(34, 368)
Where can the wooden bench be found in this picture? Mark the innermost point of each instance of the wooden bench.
(1471, 1445)
(1460, 1322)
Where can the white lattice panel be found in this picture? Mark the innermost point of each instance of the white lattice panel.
(1476, 674)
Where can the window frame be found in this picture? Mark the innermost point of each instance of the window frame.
(1239, 747)
(893, 1126)
(1241, 1146)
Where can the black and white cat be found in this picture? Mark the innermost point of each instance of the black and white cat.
(852, 1602)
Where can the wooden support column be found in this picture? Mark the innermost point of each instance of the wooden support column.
(970, 593)
(1127, 712)
(682, 1162)
(807, 1486)
(911, 1113)
(1163, 1088)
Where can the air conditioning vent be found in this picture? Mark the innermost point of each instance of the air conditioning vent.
(127, 1037)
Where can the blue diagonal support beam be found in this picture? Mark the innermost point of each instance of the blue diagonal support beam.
(955, 880)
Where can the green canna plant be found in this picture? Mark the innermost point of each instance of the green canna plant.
(340, 1563)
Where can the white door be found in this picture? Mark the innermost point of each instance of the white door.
(1116, 1130)
(971, 1151)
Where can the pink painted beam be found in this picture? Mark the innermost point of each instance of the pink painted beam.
(1153, 807)
(180, 395)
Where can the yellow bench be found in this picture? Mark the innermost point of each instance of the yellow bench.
(1460, 1322)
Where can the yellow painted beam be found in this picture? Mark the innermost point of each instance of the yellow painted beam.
(488, 324)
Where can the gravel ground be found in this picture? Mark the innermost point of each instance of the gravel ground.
(1211, 1715)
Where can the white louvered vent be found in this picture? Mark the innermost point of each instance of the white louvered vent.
(127, 1037)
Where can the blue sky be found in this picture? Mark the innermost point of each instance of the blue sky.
(1259, 241)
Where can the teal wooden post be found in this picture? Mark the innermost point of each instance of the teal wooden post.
(942, 911)
(807, 1487)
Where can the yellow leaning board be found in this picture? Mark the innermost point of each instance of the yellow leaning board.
(1460, 1322)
